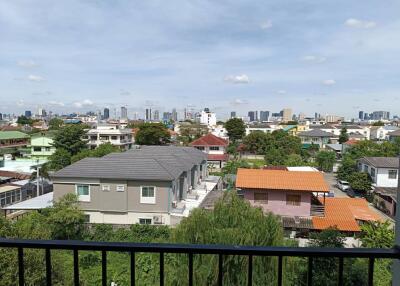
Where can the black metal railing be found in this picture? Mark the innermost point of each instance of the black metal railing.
(191, 250)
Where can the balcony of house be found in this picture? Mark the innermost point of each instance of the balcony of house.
(13, 143)
(189, 255)
(317, 207)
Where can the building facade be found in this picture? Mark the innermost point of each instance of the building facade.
(113, 134)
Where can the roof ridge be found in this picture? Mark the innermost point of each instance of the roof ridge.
(162, 165)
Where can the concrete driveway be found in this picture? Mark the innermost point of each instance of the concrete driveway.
(330, 178)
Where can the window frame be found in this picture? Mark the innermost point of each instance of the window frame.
(292, 202)
(145, 219)
(392, 171)
(258, 200)
(147, 199)
(82, 198)
(118, 188)
(105, 187)
(214, 148)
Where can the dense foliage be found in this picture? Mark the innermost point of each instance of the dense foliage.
(55, 123)
(152, 134)
(325, 160)
(343, 137)
(69, 138)
(235, 128)
(100, 151)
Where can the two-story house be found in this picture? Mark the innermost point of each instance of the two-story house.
(383, 170)
(214, 147)
(42, 146)
(149, 186)
(12, 141)
(317, 137)
(113, 134)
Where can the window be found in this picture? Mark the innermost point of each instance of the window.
(366, 168)
(145, 220)
(48, 149)
(120, 188)
(372, 172)
(200, 147)
(214, 148)
(86, 218)
(392, 174)
(37, 149)
(261, 197)
(147, 195)
(114, 137)
(105, 187)
(83, 192)
(293, 200)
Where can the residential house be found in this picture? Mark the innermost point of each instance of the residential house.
(266, 128)
(385, 199)
(149, 185)
(42, 146)
(393, 135)
(282, 192)
(317, 137)
(214, 147)
(13, 142)
(382, 133)
(382, 170)
(113, 134)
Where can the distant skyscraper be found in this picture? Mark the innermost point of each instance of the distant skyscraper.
(167, 116)
(1, 116)
(106, 114)
(361, 115)
(302, 116)
(287, 114)
(28, 113)
(380, 115)
(233, 114)
(174, 115)
(264, 115)
(156, 115)
(124, 112)
(148, 114)
(253, 116)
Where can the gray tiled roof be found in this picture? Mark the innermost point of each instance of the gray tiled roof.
(153, 163)
(381, 162)
(317, 133)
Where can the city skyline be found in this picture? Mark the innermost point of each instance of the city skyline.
(312, 56)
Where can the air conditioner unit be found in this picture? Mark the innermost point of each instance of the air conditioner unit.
(157, 219)
(174, 204)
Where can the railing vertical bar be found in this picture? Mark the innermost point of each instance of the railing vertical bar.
(161, 268)
(21, 266)
(104, 267)
(309, 276)
(250, 271)
(48, 267)
(280, 270)
(133, 266)
(220, 266)
(190, 268)
(371, 271)
(76, 267)
(340, 277)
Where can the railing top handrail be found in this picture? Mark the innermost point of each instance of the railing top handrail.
(201, 248)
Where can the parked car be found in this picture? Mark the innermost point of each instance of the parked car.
(343, 185)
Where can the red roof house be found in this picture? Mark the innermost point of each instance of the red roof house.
(215, 147)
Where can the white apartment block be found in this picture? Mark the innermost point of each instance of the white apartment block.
(120, 137)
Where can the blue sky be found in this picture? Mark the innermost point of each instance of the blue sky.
(334, 57)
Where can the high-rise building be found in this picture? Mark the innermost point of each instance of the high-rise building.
(233, 114)
(287, 114)
(208, 118)
(253, 115)
(1, 116)
(106, 114)
(174, 115)
(156, 115)
(361, 115)
(380, 115)
(28, 114)
(167, 116)
(264, 116)
(302, 116)
(148, 114)
(124, 112)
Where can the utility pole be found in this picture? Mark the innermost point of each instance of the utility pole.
(396, 262)
(37, 179)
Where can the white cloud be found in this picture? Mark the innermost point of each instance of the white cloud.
(282, 91)
(313, 59)
(27, 64)
(329, 82)
(80, 104)
(266, 25)
(20, 103)
(237, 78)
(56, 103)
(36, 78)
(238, 101)
(361, 24)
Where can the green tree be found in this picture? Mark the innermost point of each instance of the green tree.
(235, 128)
(152, 134)
(23, 120)
(346, 168)
(69, 138)
(232, 166)
(378, 123)
(377, 234)
(326, 160)
(61, 158)
(294, 160)
(360, 181)
(55, 123)
(100, 151)
(255, 142)
(343, 137)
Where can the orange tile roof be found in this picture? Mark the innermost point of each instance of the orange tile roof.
(344, 213)
(281, 180)
(209, 140)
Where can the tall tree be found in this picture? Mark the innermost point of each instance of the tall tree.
(69, 138)
(255, 142)
(152, 134)
(343, 137)
(235, 128)
(360, 181)
(55, 123)
(326, 160)
(61, 158)
(100, 151)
